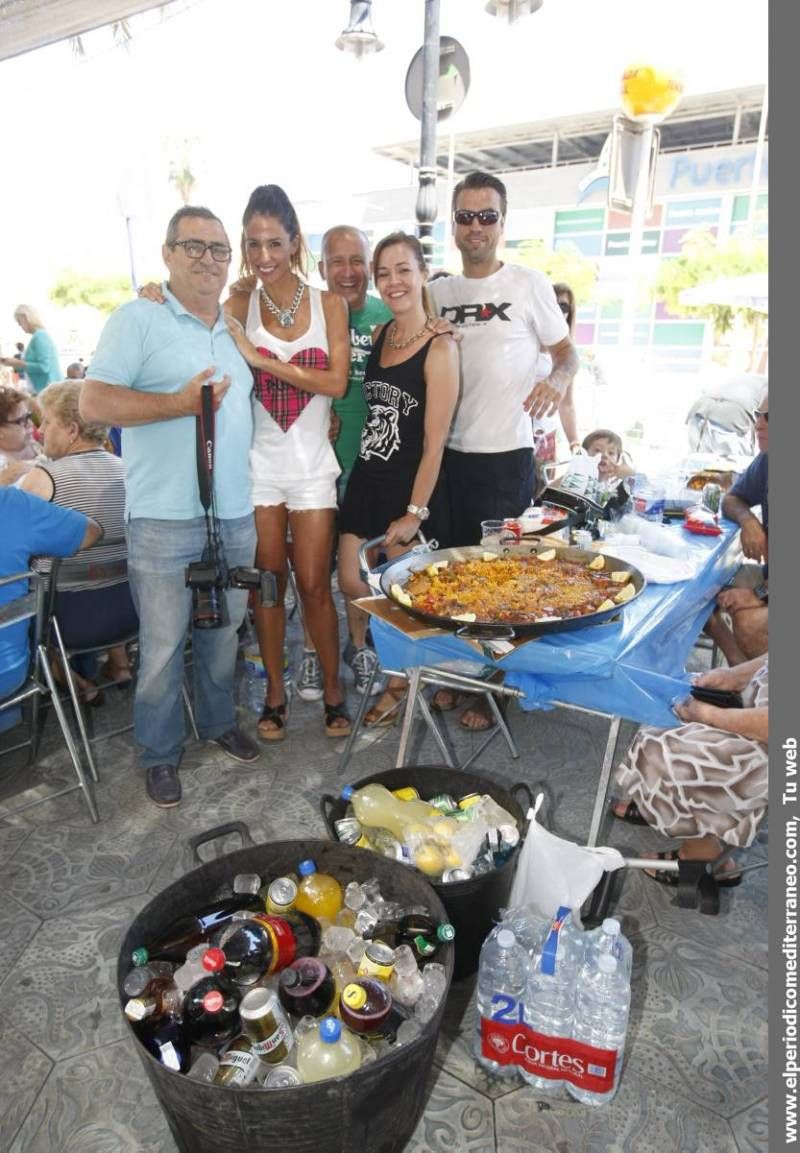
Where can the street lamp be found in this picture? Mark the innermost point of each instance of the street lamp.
(359, 37)
(512, 10)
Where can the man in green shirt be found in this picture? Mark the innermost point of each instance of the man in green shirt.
(345, 265)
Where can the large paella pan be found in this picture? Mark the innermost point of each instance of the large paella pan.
(517, 590)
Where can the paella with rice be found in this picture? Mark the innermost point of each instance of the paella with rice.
(515, 589)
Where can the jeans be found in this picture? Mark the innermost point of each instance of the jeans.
(158, 553)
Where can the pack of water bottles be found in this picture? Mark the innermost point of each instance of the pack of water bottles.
(553, 1004)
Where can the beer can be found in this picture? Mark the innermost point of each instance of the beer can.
(348, 830)
(509, 836)
(407, 793)
(267, 1026)
(378, 961)
(449, 876)
(282, 1077)
(444, 802)
(468, 801)
(281, 895)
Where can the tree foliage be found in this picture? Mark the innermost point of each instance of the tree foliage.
(565, 265)
(702, 260)
(105, 293)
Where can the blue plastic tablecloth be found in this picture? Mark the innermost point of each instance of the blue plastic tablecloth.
(632, 666)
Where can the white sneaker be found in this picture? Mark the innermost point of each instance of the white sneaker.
(363, 662)
(309, 677)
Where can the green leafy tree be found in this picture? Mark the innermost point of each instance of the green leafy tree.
(703, 260)
(565, 265)
(105, 293)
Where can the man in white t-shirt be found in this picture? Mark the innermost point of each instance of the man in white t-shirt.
(506, 314)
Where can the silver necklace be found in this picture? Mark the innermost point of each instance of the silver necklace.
(399, 344)
(285, 315)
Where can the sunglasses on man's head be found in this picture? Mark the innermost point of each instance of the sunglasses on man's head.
(763, 413)
(485, 216)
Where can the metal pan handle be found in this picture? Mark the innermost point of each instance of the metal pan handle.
(194, 843)
(477, 632)
(369, 577)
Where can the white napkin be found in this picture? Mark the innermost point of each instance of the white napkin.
(658, 570)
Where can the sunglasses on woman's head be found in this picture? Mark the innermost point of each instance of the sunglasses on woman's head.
(485, 216)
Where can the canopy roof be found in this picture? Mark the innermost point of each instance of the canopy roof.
(29, 24)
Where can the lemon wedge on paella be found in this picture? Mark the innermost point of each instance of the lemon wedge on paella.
(400, 594)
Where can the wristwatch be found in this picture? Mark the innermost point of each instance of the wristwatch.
(419, 510)
(762, 592)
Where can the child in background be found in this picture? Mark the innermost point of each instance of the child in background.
(608, 446)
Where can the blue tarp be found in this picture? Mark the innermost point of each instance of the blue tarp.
(632, 667)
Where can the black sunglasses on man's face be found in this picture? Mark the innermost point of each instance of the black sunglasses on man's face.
(485, 216)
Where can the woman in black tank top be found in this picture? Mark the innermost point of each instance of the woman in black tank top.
(411, 389)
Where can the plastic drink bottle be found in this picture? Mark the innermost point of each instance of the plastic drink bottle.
(608, 938)
(255, 680)
(318, 894)
(307, 987)
(502, 976)
(601, 1019)
(194, 929)
(376, 807)
(550, 990)
(265, 943)
(327, 1051)
(211, 1011)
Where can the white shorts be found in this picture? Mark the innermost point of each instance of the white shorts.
(297, 495)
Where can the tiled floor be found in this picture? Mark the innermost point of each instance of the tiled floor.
(695, 1075)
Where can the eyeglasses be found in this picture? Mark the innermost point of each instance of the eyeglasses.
(485, 216)
(564, 306)
(20, 420)
(763, 413)
(196, 250)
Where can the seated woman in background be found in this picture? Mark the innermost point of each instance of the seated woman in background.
(18, 449)
(79, 474)
(411, 389)
(704, 782)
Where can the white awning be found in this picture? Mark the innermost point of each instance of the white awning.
(29, 24)
(751, 291)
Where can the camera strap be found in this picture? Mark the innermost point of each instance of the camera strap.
(205, 446)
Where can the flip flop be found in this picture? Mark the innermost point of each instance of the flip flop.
(671, 877)
(445, 700)
(631, 814)
(481, 709)
(384, 718)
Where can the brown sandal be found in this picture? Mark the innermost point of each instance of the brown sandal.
(383, 714)
(272, 715)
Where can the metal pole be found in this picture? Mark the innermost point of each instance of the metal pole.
(426, 196)
(762, 131)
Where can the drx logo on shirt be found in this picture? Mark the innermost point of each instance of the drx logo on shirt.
(476, 313)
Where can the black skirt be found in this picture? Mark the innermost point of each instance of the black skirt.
(370, 505)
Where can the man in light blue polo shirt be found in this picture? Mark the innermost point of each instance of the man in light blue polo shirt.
(146, 375)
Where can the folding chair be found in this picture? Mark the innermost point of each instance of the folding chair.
(32, 606)
(87, 570)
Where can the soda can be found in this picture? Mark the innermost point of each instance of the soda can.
(468, 801)
(281, 895)
(450, 876)
(267, 1026)
(378, 961)
(282, 1077)
(444, 802)
(407, 793)
(348, 830)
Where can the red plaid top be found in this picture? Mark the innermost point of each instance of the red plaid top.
(284, 402)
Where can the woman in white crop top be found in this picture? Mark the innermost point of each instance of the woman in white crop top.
(298, 343)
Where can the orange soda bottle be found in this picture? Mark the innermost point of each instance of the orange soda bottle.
(318, 894)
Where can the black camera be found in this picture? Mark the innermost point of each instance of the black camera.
(209, 577)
